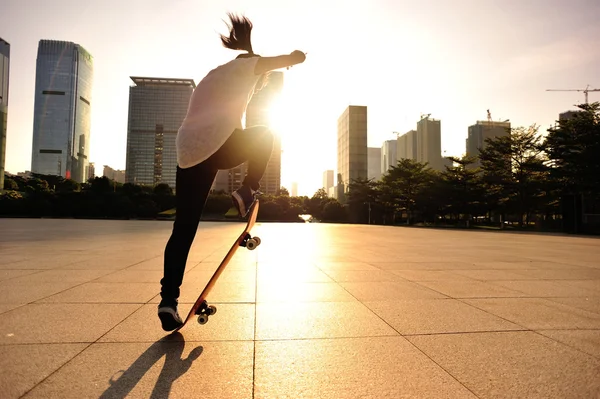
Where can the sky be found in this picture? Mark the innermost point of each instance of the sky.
(400, 58)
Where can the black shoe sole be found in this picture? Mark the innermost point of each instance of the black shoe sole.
(168, 322)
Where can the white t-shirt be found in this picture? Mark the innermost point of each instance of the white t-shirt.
(216, 109)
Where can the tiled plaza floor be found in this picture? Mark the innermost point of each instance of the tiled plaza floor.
(317, 311)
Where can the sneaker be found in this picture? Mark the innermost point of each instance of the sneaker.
(243, 198)
(169, 317)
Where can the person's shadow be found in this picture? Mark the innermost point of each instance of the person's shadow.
(174, 367)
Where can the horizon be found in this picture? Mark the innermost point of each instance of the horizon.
(450, 61)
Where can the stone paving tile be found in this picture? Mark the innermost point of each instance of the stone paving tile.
(470, 289)
(383, 367)
(537, 313)
(513, 364)
(436, 316)
(297, 272)
(162, 369)
(591, 304)
(380, 291)
(26, 293)
(224, 292)
(11, 274)
(9, 306)
(273, 291)
(431, 275)
(546, 288)
(232, 322)
(58, 323)
(58, 275)
(364, 275)
(424, 265)
(107, 293)
(587, 341)
(304, 320)
(24, 366)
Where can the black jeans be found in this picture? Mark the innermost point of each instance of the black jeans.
(193, 184)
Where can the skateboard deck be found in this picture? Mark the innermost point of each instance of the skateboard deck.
(201, 308)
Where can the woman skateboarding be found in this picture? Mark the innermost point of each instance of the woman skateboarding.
(211, 137)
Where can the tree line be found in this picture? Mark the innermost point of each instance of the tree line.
(521, 178)
(54, 196)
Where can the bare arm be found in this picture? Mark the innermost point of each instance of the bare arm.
(266, 64)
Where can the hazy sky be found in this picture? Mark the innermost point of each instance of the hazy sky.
(453, 59)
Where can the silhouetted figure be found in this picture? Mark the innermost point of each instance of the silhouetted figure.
(211, 138)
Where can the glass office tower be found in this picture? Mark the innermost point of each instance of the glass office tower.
(62, 110)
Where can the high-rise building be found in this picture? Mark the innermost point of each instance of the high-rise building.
(114, 174)
(157, 107)
(480, 132)
(4, 74)
(389, 155)
(567, 115)
(429, 142)
(62, 110)
(352, 147)
(257, 113)
(91, 171)
(327, 180)
(407, 145)
(374, 163)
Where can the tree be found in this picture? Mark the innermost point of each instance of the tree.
(514, 171)
(573, 148)
(462, 188)
(283, 192)
(163, 189)
(10, 184)
(406, 182)
(361, 198)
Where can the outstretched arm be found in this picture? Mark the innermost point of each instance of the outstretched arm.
(266, 64)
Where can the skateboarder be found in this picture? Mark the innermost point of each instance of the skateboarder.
(210, 138)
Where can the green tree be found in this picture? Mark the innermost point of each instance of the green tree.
(406, 182)
(10, 184)
(462, 188)
(163, 189)
(283, 192)
(573, 148)
(514, 171)
(361, 199)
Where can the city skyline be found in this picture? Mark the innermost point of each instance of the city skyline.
(455, 66)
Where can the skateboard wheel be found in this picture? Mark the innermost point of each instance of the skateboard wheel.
(202, 319)
(257, 239)
(251, 244)
(212, 310)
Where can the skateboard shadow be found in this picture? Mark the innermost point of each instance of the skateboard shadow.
(170, 346)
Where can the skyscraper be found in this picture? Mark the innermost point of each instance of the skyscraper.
(257, 113)
(481, 131)
(4, 74)
(374, 163)
(352, 146)
(407, 145)
(429, 142)
(62, 110)
(327, 180)
(389, 155)
(157, 106)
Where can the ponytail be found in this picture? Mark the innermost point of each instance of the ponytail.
(240, 30)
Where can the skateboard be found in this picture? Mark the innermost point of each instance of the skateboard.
(201, 308)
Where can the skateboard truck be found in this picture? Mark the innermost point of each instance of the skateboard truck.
(204, 311)
(250, 242)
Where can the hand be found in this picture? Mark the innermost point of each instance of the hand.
(298, 56)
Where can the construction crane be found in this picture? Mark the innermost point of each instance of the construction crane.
(585, 91)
